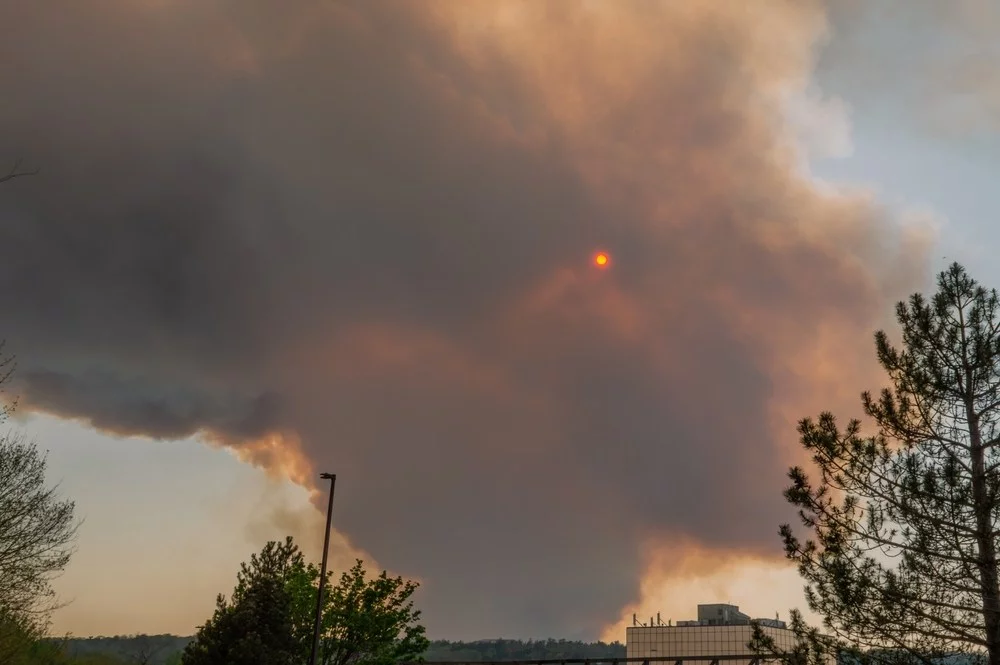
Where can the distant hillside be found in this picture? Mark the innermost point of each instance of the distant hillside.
(166, 649)
(150, 649)
(521, 650)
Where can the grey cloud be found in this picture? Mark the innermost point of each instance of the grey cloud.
(920, 63)
(133, 406)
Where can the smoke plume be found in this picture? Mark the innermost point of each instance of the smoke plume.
(355, 236)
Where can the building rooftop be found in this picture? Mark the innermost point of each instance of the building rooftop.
(713, 614)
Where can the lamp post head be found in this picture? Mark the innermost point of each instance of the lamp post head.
(328, 476)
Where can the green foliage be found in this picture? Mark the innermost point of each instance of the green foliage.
(270, 617)
(901, 561)
(369, 621)
(255, 627)
(18, 635)
(33, 650)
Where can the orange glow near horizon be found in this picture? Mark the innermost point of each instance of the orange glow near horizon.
(602, 260)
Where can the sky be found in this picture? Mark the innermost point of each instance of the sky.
(356, 236)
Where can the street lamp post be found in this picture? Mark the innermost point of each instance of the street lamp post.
(332, 477)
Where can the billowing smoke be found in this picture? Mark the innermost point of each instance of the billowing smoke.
(355, 235)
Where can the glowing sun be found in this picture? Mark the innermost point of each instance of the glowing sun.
(602, 260)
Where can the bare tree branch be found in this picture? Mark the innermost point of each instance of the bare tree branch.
(16, 172)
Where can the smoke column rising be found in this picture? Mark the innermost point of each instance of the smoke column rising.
(356, 236)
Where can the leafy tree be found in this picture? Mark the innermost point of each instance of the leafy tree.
(36, 528)
(365, 621)
(369, 621)
(37, 531)
(901, 560)
(32, 650)
(18, 636)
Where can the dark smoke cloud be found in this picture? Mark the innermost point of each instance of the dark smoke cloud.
(365, 226)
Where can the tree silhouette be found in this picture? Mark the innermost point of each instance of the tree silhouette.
(901, 560)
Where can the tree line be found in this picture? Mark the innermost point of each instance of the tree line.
(168, 649)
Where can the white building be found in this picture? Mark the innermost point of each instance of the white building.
(719, 630)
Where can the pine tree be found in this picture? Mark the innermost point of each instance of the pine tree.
(257, 626)
(901, 561)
